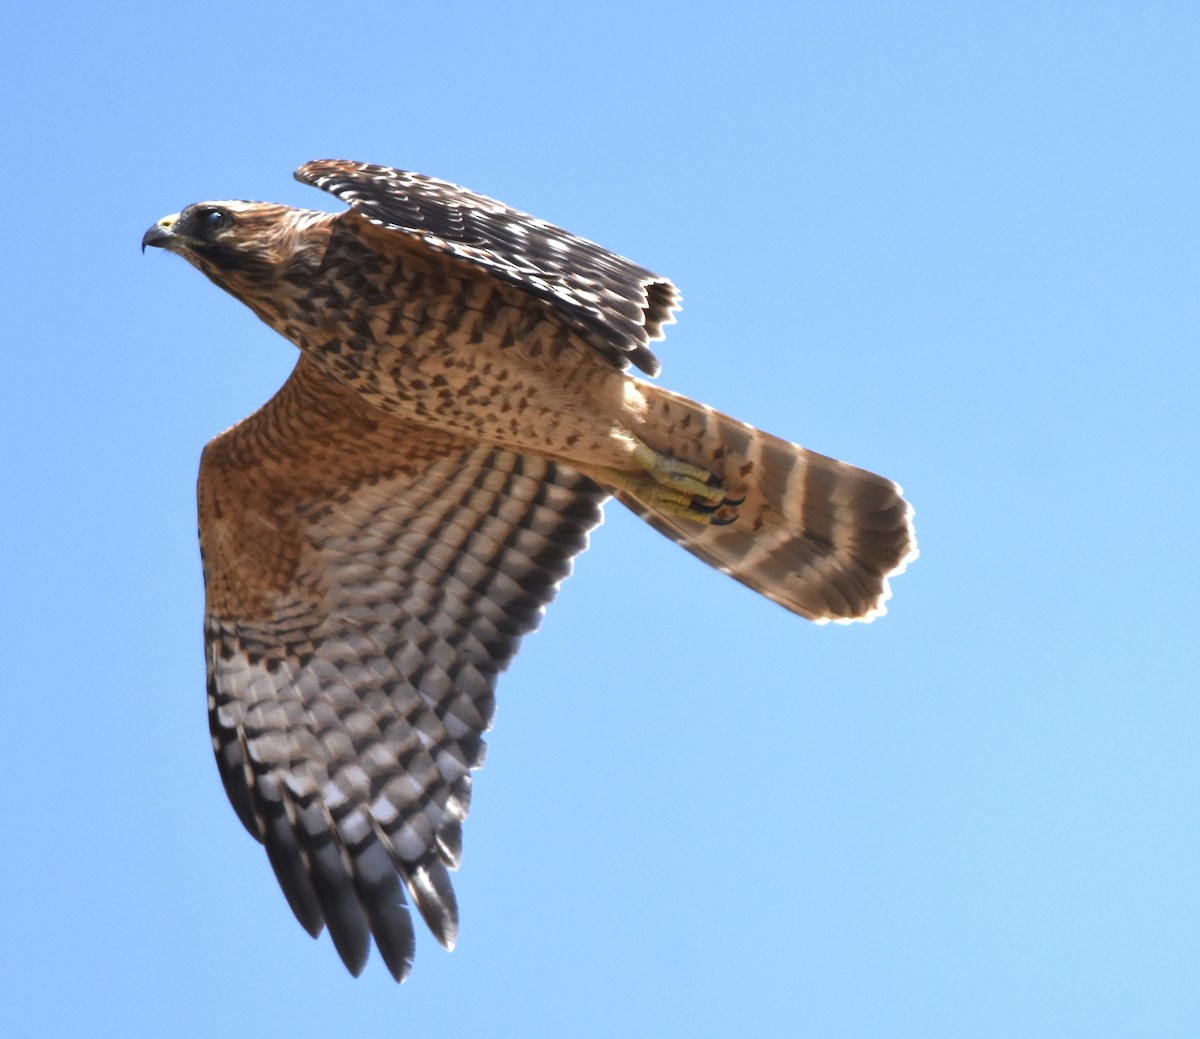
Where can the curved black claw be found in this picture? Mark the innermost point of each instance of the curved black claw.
(705, 509)
(724, 503)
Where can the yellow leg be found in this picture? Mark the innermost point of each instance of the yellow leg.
(674, 487)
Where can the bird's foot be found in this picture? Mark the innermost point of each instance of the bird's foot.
(676, 488)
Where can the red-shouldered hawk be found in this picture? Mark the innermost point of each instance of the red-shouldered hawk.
(378, 537)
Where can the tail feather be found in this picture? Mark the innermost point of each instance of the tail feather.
(818, 536)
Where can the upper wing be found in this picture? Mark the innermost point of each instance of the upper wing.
(619, 306)
(366, 580)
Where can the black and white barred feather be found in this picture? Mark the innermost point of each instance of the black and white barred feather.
(617, 305)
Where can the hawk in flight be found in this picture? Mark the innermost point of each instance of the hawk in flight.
(379, 536)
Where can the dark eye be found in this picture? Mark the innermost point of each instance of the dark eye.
(212, 220)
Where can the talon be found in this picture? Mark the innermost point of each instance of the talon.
(676, 487)
(680, 476)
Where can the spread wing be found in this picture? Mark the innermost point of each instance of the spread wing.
(617, 305)
(366, 581)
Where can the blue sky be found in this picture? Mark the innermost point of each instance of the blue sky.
(958, 244)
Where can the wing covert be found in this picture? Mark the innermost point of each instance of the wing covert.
(366, 582)
(619, 306)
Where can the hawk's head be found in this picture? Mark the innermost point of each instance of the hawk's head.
(253, 250)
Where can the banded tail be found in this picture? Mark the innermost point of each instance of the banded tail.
(818, 536)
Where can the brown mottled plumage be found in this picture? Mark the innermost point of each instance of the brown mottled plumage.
(378, 537)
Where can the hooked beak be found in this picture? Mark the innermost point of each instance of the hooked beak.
(162, 235)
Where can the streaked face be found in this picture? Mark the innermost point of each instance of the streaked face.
(259, 252)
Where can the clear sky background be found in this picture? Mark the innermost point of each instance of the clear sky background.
(957, 243)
